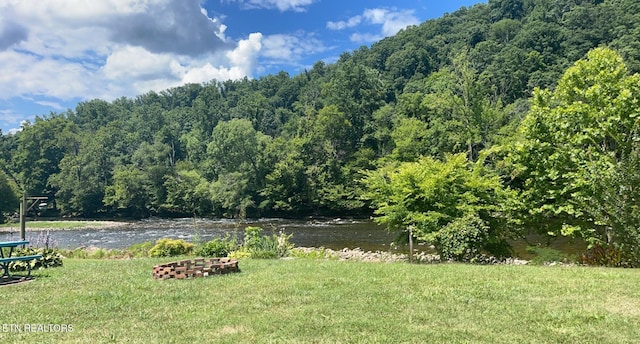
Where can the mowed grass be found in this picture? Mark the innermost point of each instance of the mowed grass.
(327, 301)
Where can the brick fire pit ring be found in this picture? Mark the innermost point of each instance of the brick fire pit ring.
(199, 267)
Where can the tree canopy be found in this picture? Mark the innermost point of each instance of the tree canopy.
(439, 101)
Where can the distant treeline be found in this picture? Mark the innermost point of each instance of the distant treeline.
(298, 145)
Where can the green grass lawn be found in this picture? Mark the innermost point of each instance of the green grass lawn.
(327, 301)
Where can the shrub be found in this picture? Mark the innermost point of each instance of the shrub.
(242, 253)
(262, 246)
(313, 253)
(166, 247)
(140, 250)
(547, 255)
(461, 239)
(217, 247)
(50, 258)
(607, 255)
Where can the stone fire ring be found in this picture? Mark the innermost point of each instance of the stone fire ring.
(198, 267)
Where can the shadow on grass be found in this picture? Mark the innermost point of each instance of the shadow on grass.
(4, 280)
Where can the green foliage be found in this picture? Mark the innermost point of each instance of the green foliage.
(615, 205)
(297, 145)
(218, 247)
(131, 191)
(429, 195)
(50, 258)
(264, 246)
(576, 166)
(9, 201)
(608, 255)
(166, 247)
(188, 192)
(140, 250)
(319, 253)
(544, 255)
(461, 239)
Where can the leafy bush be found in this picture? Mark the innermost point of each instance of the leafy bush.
(166, 247)
(217, 247)
(316, 253)
(262, 246)
(50, 258)
(546, 255)
(140, 250)
(464, 200)
(462, 238)
(607, 255)
(242, 253)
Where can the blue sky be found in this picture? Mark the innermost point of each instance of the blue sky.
(56, 53)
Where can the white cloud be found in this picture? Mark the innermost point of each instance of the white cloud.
(341, 25)
(9, 118)
(53, 105)
(244, 56)
(285, 48)
(390, 20)
(25, 73)
(365, 37)
(243, 61)
(281, 5)
(68, 49)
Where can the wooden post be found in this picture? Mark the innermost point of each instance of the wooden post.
(410, 244)
(23, 210)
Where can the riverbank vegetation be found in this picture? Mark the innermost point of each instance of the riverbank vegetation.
(491, 123)
(327, 301)
(41, 225)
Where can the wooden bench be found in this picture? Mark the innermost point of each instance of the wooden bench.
(5, 261)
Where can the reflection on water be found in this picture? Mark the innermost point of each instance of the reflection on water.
(334, 234)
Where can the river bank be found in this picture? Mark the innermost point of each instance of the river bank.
(360, 255)
(63, 225)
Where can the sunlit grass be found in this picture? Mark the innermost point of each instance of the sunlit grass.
(327, 301)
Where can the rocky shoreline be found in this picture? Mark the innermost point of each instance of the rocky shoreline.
(359, 255)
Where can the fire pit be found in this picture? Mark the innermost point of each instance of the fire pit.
(198, 267)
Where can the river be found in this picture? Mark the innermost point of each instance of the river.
(334, 234)
(330, 233)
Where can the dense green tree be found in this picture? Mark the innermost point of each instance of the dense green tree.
(130, 193)
(235, 165)
(236, 147)
(286, 186)
(588, 123)
(454, 84)
(428, 195)
(410, 138)
(188, 193)
(9, 201)
(357, 91)
(40, 148)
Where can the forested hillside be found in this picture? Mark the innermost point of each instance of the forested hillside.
(285, 145)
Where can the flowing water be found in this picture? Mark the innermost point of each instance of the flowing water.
(330, 233)
(334, 234)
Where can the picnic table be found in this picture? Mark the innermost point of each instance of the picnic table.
(5, 261)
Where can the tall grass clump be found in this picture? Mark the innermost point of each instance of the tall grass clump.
(257, 245)
(218, 247)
